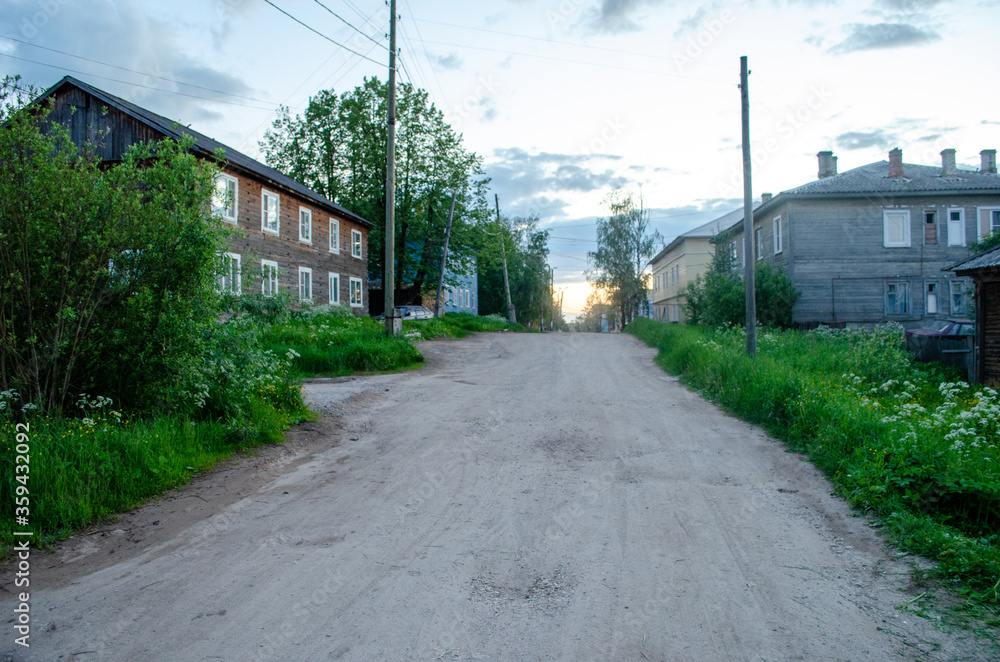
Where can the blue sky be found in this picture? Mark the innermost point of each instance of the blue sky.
(564, 99)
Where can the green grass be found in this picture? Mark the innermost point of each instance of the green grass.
(459, 325)
(905, 442)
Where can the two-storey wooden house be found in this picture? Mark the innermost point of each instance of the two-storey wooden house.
(292, 238)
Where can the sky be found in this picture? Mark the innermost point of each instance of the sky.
(565, 100)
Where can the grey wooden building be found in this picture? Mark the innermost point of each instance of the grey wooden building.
(984, 269)
(873, 244)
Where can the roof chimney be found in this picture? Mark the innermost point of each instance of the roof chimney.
(948, 168)
(989, 161)
(896, 163)
(765, 197)
(827, 164)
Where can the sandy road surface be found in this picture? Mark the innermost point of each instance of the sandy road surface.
(523, 497)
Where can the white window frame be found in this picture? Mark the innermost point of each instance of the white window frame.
(217, 207)
(356, 249)
(734, 253)
(989, 221)
(268, 277)
(953, 286)
(959, 226)
(334, 288)
(265, 195)
(305, 214)
(776, 229)
(305, 278)
(905, 242)
(233, 274)
(334, 236)
(904, 287)
(758, 240)
(361, 295)
(932, 295)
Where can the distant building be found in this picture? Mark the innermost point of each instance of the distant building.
(985, 271)
(461, 296)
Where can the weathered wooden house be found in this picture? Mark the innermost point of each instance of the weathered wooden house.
(984, 270)
(293, 238)
(873, 244)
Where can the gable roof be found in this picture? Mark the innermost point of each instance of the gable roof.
(988, 260)
(714, 227)
(206, 146)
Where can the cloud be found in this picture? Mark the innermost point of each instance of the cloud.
(909, 5)
(864, 140)
(883, 35)
(691, 22)
(616, 16)
(451, 61)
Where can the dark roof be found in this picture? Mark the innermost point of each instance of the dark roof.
(988, 260)
(207, 146)
(873, 180)
(714, 227)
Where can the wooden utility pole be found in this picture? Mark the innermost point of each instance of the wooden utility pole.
(392, 325)
(749, 257)
(511, 317)
(438, 308)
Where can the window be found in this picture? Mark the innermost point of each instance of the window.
(734, 257)
(959, 297)
(897, 298)
(989, 221)
(776, 225)
(896, 228)
(334, 235)
(355, 244)
(224, 197)
(268, 277)
(930, 228)
(305, 284)
(932, 298)
(229, 276)
(956, 227)
(758, 240)
(305, 225)
(356, 299)
(334, 288)
(269, 205)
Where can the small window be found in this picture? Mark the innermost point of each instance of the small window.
(758, 240)
(956, 227)
(269, 206)
(989, 221)
(268, 277)
(932, 298)
(959, 297)
(930, 228)
(229, 276)
(305, 284)
(896, 228)
(357, 301)
(334, 288)
(305, 225)
(334, 235)
(355, 244)
(776, 225)
(733, 254)
(897, 298)
(224, 197)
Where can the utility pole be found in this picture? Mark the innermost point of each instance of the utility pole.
(393, 324)
(438, 308)
(748, 255)
(511, 317)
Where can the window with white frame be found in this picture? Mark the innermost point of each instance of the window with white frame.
(956, 227)
(959, 297)
(357, 300)
(758, 240)
(733, 254)
(334, 288)
(931, 300)
(269, 206)
(776, 227)
(268, 277)
(305, 225)
(356, 244)
(224, 197)
(305, 284)
(896, 228)
(334, 235)
(989, 221)
(229, 274)
(897, 298)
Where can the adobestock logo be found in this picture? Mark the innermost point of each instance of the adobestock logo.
(47, 10)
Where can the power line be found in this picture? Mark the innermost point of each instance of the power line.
(420, 38)
(314, 30)
(350, 25)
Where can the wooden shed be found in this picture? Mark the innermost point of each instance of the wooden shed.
(984, 269)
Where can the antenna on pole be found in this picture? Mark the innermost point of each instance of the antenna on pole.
(393, 324)
(748, 253)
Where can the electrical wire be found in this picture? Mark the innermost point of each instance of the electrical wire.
(314, 30)
(350, 25)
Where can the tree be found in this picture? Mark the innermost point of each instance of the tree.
(624, 247)
(595, 310)
(527, 268)
(106, 274)
(338, 148)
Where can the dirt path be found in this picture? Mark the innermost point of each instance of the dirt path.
(523, 497)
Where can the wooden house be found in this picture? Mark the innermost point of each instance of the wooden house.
(984, 270)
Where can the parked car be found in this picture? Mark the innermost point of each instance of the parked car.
(411, 313)
(957, 327)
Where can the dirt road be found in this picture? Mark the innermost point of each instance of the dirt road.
(523, 497)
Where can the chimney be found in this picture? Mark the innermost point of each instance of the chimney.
(827, 164)
(765, 197)
(896, 163)
(948, 168)
(989, 161)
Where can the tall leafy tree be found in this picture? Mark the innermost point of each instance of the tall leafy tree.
(527, 267)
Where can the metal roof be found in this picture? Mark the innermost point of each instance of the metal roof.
(207, 146)
(710, 229)
(988, 260)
